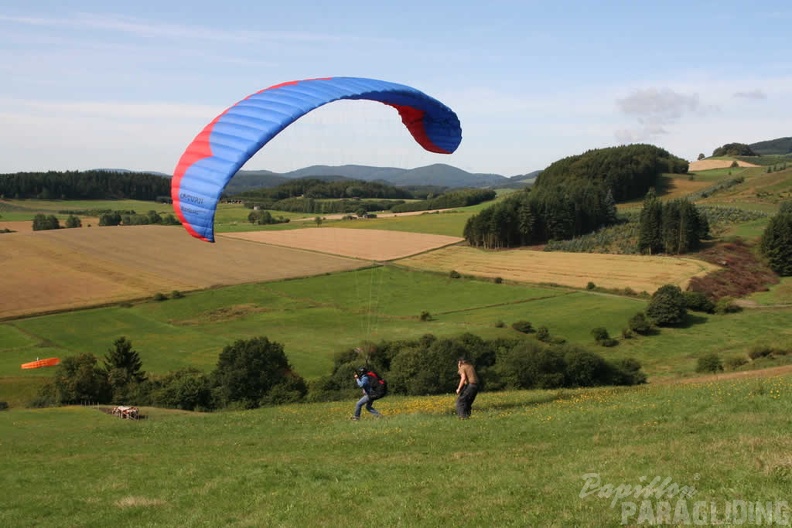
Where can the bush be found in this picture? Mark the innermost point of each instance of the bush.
(425, 316)
(524, 327)
(530, 365)
(667, 306)
(709, 363)
(80, 379)
(726, 305)
(188, 389)
(454, 274)
(586, 369)
(159, 297)
(627, 371)
(602, 337)
(640, 324)
(176, 294)
(248, 370)
(498, 280)
(698, 302)
(590, 286)
(733, 363)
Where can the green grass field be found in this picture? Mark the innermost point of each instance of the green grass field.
(525, 458)
(318, 317)
(529, 458)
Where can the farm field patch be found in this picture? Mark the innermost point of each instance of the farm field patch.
(641, 273)
(47, 271)
(369, 244)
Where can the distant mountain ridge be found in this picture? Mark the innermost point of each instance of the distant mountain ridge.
(439, 175)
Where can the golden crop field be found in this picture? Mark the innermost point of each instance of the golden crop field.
(46, 271)
(369, 244)
(641, 273)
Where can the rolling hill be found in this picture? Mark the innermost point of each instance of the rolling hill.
(439, 175)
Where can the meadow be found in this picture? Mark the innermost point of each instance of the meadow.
(317, 317)
(529, 458)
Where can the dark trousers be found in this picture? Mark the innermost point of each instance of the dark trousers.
(465, 400)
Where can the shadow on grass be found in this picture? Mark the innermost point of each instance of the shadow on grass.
(533, 402)
(693, 320)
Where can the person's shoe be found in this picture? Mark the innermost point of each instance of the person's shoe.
(354, 418)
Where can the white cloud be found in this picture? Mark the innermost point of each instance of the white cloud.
(655, 110)
(752, 94)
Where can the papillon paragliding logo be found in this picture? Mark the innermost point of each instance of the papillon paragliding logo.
(233, 137)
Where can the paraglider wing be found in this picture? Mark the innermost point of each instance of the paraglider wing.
(39, 363)
(233, 137)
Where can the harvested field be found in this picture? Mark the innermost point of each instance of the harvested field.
(703, 165)
(17, 226)
(55, 270)
(368, 244)
(641, 273)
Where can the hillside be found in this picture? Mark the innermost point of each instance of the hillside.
(778, 147)
(439, 175)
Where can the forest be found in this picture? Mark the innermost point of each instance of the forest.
(84, 185)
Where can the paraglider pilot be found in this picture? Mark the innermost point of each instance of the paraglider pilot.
(362, 381)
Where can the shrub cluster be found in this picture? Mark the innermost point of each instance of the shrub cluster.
(249, 374)
(427, 365)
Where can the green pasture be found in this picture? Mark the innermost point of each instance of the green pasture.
(530, 458)
(779, 295)
(450, 223)
(315, 318)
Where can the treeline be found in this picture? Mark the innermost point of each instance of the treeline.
(318, 189)
(627, 171)
(115, 218)
(248, 374)
(573, 197)
(461, 198)
(311, 205)
(255, 372)
(733, 149)
(538, 216)
(87, 185)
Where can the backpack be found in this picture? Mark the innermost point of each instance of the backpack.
(378, 387)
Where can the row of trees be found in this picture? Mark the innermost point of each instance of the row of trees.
(673, 227)
(311, 205)
(318, 189)
(88, 185)
(535, 217)
(461, 198)
(249, 373)
(427, 365)
(574, 196)
(115, 218)
(256, 372)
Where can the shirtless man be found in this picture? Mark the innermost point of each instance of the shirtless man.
(468, 388)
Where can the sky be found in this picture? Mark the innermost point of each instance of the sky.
(96, 84)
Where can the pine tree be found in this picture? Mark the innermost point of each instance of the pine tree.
(650, 225)
(776, 243)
